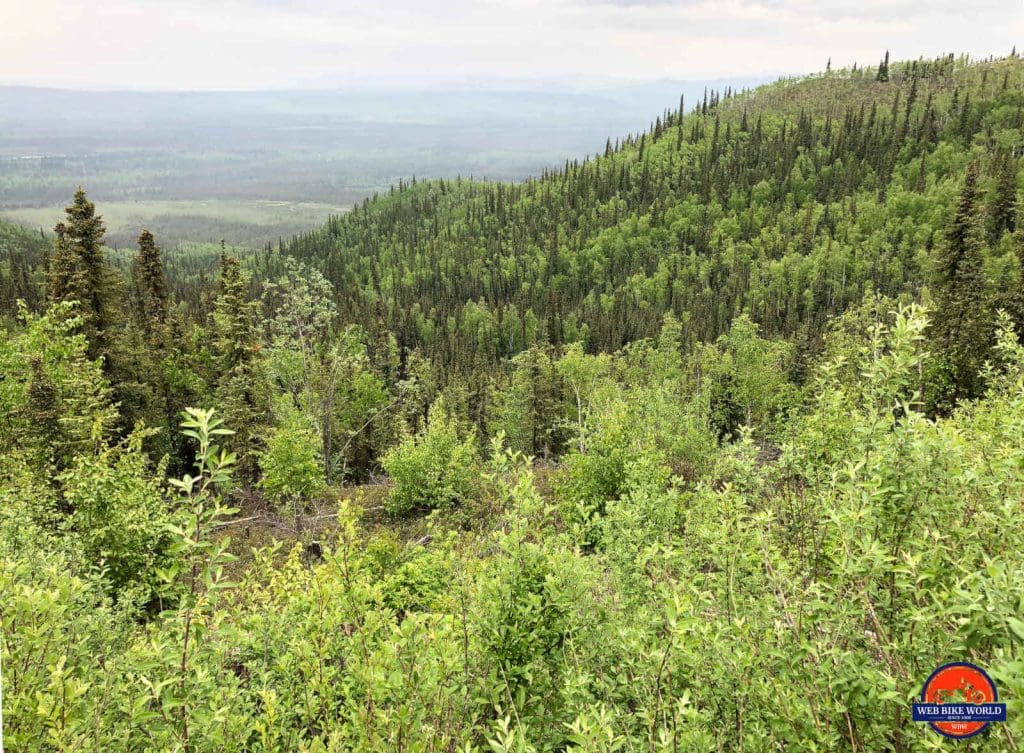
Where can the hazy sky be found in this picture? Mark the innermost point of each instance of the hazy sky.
(254, 44)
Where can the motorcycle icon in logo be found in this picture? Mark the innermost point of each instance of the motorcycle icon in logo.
(959, 700)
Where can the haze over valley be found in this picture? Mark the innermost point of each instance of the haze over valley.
(253, 167)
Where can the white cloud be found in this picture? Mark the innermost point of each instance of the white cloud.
(209, 44)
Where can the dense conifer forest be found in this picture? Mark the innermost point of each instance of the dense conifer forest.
(711, 440)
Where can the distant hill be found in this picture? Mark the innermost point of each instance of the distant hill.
(788, 202)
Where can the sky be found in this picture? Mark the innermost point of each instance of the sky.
(284, 44)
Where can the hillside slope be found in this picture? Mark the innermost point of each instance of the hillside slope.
(787, 202)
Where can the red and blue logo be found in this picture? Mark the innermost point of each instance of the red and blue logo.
(959, 700)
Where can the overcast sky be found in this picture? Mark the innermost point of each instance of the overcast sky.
(261, 44)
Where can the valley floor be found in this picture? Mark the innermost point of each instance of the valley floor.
(252, 223)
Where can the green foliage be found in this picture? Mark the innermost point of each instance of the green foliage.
(242, 389)
(713, 613)
(524, 622)
(54, 400)
(528, 410)
(78, 271)
(21, 267)
(436, 468)
(1003, 201)
(292, 463)
(151, 289)
(419, 580)
(962, 332)
(787, 203)
(745, 378)
(642, 410)
(56, 625)
(118, 517)
(327, 372)
(582, 375)
(772, 495)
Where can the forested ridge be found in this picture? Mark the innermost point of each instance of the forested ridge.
(788, 202)
(710, 441)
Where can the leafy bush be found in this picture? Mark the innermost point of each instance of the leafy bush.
(652, 426)
(421, 582)
(292, 462)
(433, 469)
(119, 516)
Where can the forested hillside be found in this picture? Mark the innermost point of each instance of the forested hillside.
(788, 203)
(712, 441)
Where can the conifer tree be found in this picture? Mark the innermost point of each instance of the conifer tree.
(1003, 204)
(233, 316)
(529, 409)
(964, 124)
(56, 401)
(241, 388)
(22, 286)
(960, 326)
(883, 69)
(78, 270)
(64, 278)
(151, 288)
(167, 385)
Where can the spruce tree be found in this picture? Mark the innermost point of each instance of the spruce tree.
(233, 317)
(22, 285)
(883, 69)
(964, 126)
(151, 288)
(78, 270)
(64, 278)
(241, 389)
(960, 325)
(1003, 203)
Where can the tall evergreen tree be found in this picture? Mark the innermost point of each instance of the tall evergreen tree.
(961, 327)
(241, 387)
(883, 69)
(1003, 203)
(78, 270)
(64, 278)
(151, 288)
(233, 316)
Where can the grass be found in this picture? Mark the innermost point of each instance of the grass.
(239, 222)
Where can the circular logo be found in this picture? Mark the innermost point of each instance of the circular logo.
(959, 683)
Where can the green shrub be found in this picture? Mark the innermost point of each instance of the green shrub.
(292, 463)
(422, 582)
(433, 469)
(120, 516)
